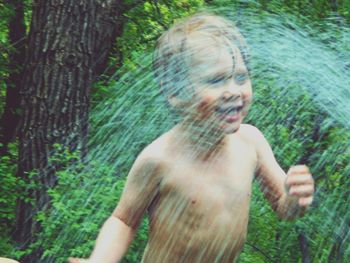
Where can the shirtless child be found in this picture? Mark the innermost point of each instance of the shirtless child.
(195, 181)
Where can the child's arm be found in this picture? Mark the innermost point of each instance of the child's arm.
(111, 244)
(290, 194)
(118, 230)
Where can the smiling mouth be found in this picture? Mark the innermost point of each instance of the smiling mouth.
(229, 114)
(231, 110)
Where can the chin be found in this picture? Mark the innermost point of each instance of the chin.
(231, 129)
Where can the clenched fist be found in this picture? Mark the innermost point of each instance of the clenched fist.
(300, 184)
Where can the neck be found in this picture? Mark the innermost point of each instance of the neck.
(201, 140)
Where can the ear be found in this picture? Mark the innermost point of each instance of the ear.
(176, 102)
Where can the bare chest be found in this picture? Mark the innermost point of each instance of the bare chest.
(209, 182)
(222, 184)
(203, 201)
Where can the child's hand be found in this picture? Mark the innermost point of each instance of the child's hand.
(300, 184)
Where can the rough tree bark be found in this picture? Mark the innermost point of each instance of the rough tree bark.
(304, 248)
(69, 43)
(10, 116)
(54, 94)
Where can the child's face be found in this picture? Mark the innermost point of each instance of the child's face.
(223, 90)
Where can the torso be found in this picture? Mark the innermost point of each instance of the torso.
(201, 211)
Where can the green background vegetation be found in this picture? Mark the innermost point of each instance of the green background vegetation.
(297, 134)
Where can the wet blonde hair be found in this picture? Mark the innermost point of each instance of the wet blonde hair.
(172, 51)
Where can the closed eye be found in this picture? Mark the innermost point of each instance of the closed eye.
(240, 79)
(218, 80)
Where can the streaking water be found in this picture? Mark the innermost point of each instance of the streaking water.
(294, 68)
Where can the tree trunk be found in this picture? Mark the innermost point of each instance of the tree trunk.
(277, 246)
(334, 5)
(68, 47)
(304, 248)
(17, 34)
(110, 21)
(57, 78)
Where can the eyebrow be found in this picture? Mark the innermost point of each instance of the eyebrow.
(218, 75)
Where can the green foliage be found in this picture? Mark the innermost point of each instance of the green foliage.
(10, 189)
(261, 230)
(86, 193)
(299, 133)
(313, 9)
(144, 25)
(6, 13)
(80, 202)
(73, 206)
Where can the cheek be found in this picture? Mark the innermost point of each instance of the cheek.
(205, 106)
(247, 97)
(248, 100)
(247, 94)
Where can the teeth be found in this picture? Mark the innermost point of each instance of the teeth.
(231, 110)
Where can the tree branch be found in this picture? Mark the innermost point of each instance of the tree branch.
(260, 251)
(155, 5)
(128, 7)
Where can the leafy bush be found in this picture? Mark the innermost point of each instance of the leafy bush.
(10, 189)
(84, 196)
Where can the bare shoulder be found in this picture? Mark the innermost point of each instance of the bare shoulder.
(257, 139)
(251, 133)
(154, 152)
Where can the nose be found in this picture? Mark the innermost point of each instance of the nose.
(230, 95)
